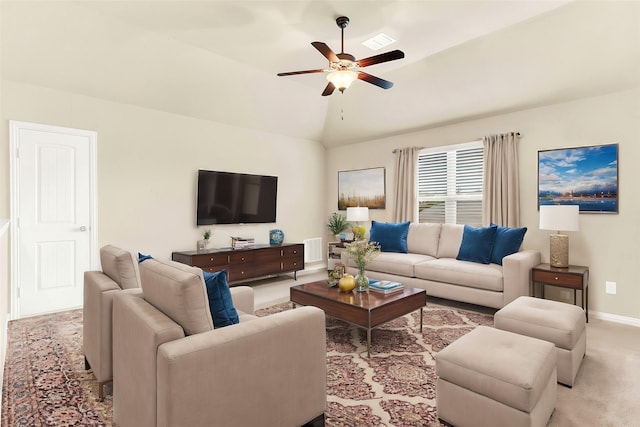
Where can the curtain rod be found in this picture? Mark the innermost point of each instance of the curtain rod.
(396, 149)
(477, 139)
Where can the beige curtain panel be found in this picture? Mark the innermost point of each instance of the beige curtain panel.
(405, 195)
(501, 190)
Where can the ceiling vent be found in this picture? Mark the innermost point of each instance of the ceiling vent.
(379, 41)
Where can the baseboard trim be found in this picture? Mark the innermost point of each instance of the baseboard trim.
(632, 321)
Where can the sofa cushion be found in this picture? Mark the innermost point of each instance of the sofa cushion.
(220, 304)
(464, 273)
(508, 241)
(178, 291)
(477, 244)
(120, 266)
(395, 263)
(423, 238)
(392, 237)
(450, 239)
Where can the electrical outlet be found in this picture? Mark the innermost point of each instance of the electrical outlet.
(610, 287)
(565, 295)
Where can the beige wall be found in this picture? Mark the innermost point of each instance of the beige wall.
(147, 169)
(147, 162)
(608, 244)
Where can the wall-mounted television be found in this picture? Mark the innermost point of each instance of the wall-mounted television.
(235, 198)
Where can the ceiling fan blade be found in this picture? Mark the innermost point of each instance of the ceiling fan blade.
(326, 51)
(383, 57)
(384, 84)
(291, 73)
(329, 89)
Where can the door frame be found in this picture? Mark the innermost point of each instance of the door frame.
(14, 185)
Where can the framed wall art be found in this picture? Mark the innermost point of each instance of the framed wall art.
(362, 187)
(583, 176)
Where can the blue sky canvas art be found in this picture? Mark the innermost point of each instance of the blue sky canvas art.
(583, 176)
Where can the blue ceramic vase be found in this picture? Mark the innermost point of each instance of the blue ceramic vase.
(276, 237)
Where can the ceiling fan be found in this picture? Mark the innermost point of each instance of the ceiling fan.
(344, 68)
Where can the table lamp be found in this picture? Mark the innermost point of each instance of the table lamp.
(358, 214)
(559, 218)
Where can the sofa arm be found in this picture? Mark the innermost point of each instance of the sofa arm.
(516, 271)
(270, 371)
(243, 298)
(96, 322)
(138, 329)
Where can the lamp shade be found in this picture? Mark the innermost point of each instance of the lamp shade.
(342, 79)
(358, 214)
(559, 217)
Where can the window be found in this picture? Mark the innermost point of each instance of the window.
(450, 184)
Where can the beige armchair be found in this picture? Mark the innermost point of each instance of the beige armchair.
(119, 272)
(172, 368)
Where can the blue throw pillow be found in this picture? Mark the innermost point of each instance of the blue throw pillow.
(143, 257)
(392, 237)
(508, 241)
(477, 244)
(220, 303)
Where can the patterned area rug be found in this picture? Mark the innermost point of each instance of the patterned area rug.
(397, 385)
(45, 383)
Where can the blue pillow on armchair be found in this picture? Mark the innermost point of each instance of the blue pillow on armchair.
(477, 244)
(220, 303)
(508, 241)
(391, 236)
(143, 257)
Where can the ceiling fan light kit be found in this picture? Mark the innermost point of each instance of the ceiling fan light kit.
(344, 69)
(342, 79)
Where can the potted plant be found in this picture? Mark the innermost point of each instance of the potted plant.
(204, 242)
(337, 223)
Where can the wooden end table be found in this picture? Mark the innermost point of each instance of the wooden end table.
(365, 309)
(574, 277)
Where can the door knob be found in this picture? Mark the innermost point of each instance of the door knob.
(83, 228)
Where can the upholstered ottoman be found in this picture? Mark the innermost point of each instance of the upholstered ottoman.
(557, 322)
(491, 377)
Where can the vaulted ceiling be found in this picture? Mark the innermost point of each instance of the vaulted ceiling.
(217, 60)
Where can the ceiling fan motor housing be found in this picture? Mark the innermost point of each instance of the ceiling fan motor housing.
(347, 62)
(342, 21)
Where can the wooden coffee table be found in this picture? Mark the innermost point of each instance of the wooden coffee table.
(365, 309)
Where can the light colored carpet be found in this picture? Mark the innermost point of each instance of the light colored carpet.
(607, 389)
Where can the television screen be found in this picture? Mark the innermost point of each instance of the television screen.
(235, 198)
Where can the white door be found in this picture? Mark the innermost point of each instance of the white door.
(53, 216)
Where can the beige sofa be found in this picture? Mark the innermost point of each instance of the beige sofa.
(431, 264)
(172, 368)
(119, 272)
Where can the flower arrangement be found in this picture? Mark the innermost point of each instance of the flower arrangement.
(362, 252)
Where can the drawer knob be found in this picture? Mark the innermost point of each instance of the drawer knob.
(556, 278)
(212, 259)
